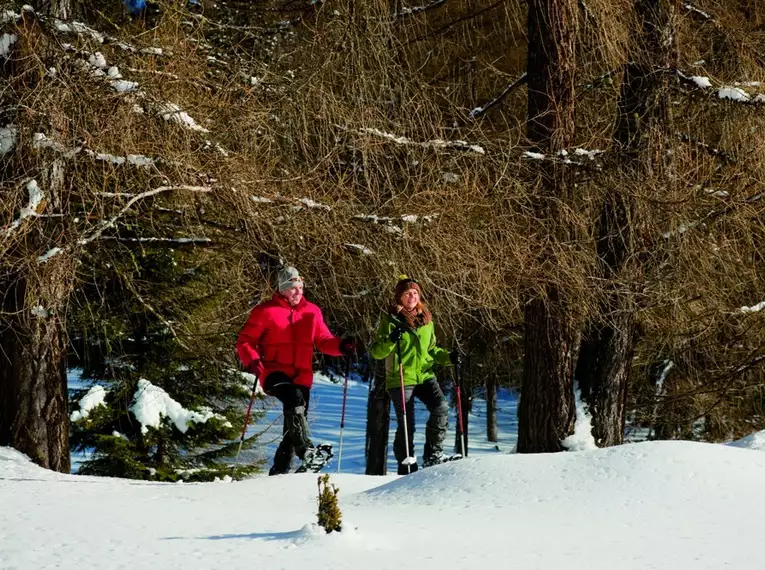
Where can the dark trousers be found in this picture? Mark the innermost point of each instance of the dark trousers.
(430, 394)
(295, 401)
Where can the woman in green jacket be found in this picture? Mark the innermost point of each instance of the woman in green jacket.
(406, 332)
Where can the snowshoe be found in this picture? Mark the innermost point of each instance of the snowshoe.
(316, 458)
(440, 458)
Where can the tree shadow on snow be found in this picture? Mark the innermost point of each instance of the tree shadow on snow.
(290, 535)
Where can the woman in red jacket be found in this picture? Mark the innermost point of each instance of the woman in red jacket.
(277, 345)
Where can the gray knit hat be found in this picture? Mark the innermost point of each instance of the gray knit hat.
(288, 277)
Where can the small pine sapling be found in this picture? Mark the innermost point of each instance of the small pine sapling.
(329, 514)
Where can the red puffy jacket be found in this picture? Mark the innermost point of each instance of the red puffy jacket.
(283, 339)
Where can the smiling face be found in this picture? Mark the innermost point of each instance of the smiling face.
(294, 294)
(410, 298)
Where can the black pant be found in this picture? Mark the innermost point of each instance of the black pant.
(430, 394)
(294, 399)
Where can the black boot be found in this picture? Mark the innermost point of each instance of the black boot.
(407, 469)
(296, 425)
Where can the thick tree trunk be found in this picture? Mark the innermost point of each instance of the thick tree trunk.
(378, 426)
(546, 409)
(33, 397)
(491, 408)
(642, 131)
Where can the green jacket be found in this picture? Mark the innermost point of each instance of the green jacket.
(419, 352)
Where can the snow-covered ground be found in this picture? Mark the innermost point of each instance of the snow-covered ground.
(652, 505)
(657, 505)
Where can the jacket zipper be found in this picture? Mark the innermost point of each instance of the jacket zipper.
(292, 332)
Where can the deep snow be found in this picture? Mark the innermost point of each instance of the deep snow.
(652, 505)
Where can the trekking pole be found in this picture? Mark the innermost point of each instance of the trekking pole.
(403, 406)
(342, 414)
(460, 426)
(246, 421)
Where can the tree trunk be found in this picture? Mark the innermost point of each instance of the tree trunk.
(378, 425)
(546, 409)
(33, 340)
(466, 398)
(61, 9)
(642, 130)
(33, 396)
(491, 408)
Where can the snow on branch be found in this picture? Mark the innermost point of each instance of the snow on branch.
(563, 156)
(9, 16)
(727, 92)
(478, 111)
(304, 202)
(387, 222)
(81, 29)
(698, 12)
(8, 135)
(753, 309)
(357, 248)
(152, 403)
(40, 140)
(32, 209)
(103, 225)
(95, 397)
(435, 143)
(172, 241)
(6, 40)
(173, 113)
(405, 11)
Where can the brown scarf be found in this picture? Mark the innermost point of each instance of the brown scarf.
(414, 318)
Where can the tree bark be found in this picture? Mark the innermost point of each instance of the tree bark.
(546, 409)
(466, 398)
(61, 9)
(378, 425)
(33, 341)
(491, 408)
(642, 131)
(33, 396)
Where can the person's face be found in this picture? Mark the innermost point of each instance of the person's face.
(294, 294)
(410, 298)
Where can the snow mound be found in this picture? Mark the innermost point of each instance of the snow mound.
(647, 475)
(754, 441)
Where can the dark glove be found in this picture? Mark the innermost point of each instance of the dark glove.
(396, 334)
(455, 357)
(255, 367)
(349, 346)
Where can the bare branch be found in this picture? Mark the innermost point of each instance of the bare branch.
(436, 143)
(478, 111)
(406, 12)
(105, 224)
